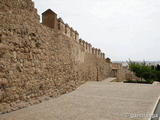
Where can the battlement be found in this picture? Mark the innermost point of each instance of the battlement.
(108, 60)
(49, 18)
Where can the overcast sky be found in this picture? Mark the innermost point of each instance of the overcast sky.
(122, 29)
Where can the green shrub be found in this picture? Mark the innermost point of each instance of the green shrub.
(145, 72)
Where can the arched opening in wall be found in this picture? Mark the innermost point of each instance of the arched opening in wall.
(114, 72)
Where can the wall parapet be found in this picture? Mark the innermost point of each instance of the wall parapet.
(49, 18)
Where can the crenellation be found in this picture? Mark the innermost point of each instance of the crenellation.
(67, 30)
(49, 18)
(32, 4)
(96, 52)
(103, 56)
(76, 36)
(108, 60)
(90, 48)
(80, 42)
(99, 53)
(93, 51)
(36, 10)
(83, 43)
(61, 26)
(86, 46)
(72, 33)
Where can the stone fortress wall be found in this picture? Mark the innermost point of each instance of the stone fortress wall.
(39, 62)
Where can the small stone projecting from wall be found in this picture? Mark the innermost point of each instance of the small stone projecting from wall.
(49, 18)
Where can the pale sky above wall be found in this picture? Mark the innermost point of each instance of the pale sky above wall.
(122, 29)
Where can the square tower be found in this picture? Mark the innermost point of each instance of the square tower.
(49, 18)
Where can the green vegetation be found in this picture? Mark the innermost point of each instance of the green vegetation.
(146, 73)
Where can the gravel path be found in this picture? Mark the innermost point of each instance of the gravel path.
(94, 101)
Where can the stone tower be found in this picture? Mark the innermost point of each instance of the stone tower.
(49, 18)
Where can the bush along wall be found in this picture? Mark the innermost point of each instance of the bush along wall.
(147, 73)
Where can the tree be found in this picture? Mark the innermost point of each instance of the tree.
(158, 67)
(144, 71)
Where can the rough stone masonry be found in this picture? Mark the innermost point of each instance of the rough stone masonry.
(39, 60)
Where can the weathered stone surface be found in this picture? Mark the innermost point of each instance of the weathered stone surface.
(36, 61)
